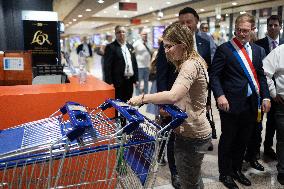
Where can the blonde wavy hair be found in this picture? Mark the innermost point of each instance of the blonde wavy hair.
(177, 33)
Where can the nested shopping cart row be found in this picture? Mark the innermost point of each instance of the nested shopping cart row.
(81, 148)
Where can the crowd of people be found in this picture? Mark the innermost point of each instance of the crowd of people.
(245, 75)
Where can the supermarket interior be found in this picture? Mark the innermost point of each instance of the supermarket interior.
(99, 94)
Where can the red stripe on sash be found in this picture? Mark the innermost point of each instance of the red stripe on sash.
(248, 60)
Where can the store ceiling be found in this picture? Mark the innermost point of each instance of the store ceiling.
(103, 17)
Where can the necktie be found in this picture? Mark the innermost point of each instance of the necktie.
(249, 92)
(274, 44)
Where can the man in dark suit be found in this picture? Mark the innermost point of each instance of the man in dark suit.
(270, 42)
(166, 75)
(120, 65)
(239, 98)
(205, 34)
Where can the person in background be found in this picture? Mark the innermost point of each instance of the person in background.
(189, 93)
(218, 36)
(166, 75)
(143, 57)
(152, 108)
(253, 37)
(120, 65)
(273, 68)
(240, 97)
(87, 52)
(252, 154)
(270, 42)
(107, 41)
(205, 34)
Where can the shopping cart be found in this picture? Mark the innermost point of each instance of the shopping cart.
(79, 148)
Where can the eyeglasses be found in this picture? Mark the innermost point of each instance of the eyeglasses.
(168, 46)
(243, 31)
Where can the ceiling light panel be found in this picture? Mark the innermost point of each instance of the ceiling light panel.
(143, 7)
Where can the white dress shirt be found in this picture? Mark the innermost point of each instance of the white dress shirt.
(273, 66)
(86, 50)
(194, 43)
(128, 72)
(249, 52)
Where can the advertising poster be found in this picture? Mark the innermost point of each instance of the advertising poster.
(41, 37)
(157, 32)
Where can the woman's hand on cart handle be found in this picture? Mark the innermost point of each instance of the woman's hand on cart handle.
(136, 100)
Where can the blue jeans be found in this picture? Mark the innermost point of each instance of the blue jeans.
(143, 74)
(189, 154)
(152, 108)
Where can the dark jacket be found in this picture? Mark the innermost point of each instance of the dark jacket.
(228, 78)
(264, 43)
(80, 48)
(114, 64)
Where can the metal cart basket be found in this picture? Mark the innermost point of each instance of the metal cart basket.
(80, 148)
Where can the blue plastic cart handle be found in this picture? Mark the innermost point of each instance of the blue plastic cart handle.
(79, 118)
(128, 112)
(177, 114)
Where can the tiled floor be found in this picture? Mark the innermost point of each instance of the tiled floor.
(260, 180)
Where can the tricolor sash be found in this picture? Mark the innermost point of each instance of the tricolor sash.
(248, 68)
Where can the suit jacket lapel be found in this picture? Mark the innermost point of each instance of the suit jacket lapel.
(198, 43)
(130, 49)
(267, 48)
(254, 54)
(119, 51)
(281, 41)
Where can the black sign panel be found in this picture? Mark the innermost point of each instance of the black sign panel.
(42, 38)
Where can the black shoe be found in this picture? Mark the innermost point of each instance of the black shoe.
(256, 165)
(211, 148)
(270, 153)
(176, 182)
(228, 182)
(280, 178)
(241, 178)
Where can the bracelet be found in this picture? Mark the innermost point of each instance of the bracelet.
(142, 99)
(266, 99)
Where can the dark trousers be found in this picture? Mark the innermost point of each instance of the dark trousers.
(279, 120)
(236, 130)
(125, 90)
(170, 147)
(254, 143)
(255, 140)
(270, 126)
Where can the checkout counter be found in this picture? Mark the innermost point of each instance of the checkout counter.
(24, 103)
